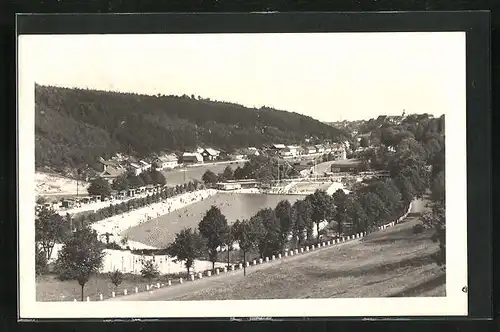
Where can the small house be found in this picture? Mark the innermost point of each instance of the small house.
(252, 151)
(210, 154)
(165, 162)
(319, 148)
(135, 168)
(228, 186)
(145, 166)
(311, 150)
(192, 158)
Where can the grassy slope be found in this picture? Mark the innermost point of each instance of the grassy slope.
(394, 262)
(391, 263)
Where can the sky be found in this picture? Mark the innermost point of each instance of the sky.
(328, 76)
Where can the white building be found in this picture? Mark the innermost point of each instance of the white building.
(252, 151)
(135, 168)
(145, 166)
(165, 162)
(319, 148)
(209, 154)
(192, 158)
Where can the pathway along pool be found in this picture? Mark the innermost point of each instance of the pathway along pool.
(159, 232)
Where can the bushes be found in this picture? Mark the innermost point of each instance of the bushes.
(149, 270)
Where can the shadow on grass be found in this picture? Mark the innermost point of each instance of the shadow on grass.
(374, 270)
(421, 288)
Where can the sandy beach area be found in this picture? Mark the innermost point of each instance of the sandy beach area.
(117, 224)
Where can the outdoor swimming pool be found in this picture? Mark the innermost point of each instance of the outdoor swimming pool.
(159, 232)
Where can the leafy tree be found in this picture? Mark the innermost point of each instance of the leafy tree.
(209, 177)
(149, 270)
(99, 186)
(227, 174)
(283, 212)
(267, 229)
(302, 221)
(120, 184)
(229, 240)
(374, 209)
(146, 178)
(116, 277)
(214, 228)
(389, 194)
(158, 178)
(323, 207)
(50, 228)
(438, 188)
(356, 216)
(340, 201)
(40, 261)
(239, 173)
(41, 200)
(436, 219)
(135, 181)
(247, 235)
(364, 142)
(80, 257)
(186, 247)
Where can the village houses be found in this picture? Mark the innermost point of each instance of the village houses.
(167, 161)
(192, 158)
(210, 154)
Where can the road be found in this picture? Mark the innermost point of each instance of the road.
(231, 277)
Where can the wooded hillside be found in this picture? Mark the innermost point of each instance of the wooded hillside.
(76, 126)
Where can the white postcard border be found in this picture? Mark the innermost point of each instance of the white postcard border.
(455, 302)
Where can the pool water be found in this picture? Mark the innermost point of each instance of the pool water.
(159, 232)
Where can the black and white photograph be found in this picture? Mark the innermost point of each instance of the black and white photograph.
(178, 175)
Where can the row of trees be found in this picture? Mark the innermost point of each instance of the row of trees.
(415, 160)
(52, 228)
(270, 231)
(100, 186)
(261, 168)
(414, 154)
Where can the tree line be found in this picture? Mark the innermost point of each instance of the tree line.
(52, 228)
(415, 160)
(74, 127)
(262, 168)
(129, 180)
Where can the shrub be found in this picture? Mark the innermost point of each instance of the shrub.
(149, 270)
(116, 277)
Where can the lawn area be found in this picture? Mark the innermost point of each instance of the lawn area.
(49, 288)
(391, 263)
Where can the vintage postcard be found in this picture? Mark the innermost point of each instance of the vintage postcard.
(242, 175)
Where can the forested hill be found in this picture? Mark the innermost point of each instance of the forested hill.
(76, 126)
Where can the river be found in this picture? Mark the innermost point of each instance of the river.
(159, 232)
